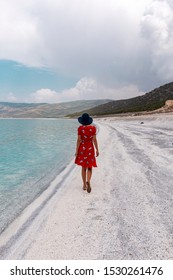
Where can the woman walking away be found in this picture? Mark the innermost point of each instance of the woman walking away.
(85, 149)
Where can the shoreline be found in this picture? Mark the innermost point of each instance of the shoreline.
(14, 231)
(118, 115)
(135, 115)
(128, 213)
(30, 161)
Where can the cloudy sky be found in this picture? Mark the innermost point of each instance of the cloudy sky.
(64, 50)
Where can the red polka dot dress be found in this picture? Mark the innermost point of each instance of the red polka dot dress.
(86, 152)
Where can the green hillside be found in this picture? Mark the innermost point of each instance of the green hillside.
(148, 102)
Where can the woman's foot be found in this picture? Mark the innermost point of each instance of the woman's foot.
(84, 188)
(88, 187)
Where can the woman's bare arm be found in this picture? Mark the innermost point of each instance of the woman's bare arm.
(96, 145)
(78, 144)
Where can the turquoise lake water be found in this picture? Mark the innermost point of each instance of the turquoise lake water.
(32, 153)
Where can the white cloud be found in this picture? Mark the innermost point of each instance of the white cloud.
(84, 89)
(44, 95)
(11, 97)
(120, 46)
(157, 28)
(19, 35)
(74, 36)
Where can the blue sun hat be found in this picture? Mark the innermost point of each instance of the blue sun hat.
(85, 119)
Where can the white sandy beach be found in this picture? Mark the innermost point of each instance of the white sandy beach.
(128, 214)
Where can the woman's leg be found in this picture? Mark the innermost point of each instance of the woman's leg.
(84, 177)
(89, 174)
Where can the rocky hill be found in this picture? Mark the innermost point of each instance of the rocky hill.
(43, 110)
(150, 101)
(168, 107)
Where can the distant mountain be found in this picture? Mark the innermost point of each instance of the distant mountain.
(44, 110)
(148, 102)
